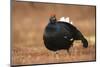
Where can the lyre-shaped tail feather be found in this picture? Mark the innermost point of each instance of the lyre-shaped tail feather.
(85, 43)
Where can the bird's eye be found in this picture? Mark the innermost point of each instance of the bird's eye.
(53, 18)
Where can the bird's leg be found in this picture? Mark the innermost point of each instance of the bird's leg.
(66, 53)
(69, 53)
(56, 55)
(72, 50)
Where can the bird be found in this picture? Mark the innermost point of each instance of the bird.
(60, 35)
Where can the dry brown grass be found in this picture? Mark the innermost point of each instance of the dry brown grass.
(30, 54)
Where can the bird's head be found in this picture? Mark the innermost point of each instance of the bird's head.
(53, 19)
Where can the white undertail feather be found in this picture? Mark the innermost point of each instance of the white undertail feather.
(71, 22)
(67, 19)
(62, 19)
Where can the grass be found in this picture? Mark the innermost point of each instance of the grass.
(30, 54)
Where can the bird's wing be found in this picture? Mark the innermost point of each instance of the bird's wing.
(77, 35)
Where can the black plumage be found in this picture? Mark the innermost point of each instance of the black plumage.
(60, 35)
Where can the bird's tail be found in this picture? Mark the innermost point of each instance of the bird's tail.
(85, 43)
(79, 36)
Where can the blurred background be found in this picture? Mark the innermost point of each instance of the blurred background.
(28, 22)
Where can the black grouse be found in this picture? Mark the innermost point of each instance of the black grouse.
(60, 35)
